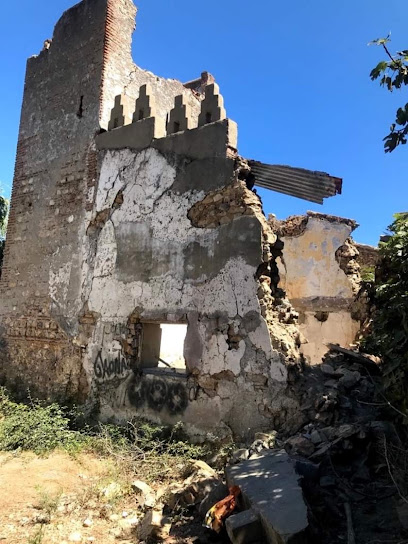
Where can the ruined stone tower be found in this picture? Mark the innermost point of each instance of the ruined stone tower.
(69, 90)
(132, 211)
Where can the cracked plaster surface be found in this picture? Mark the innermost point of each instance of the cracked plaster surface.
(151, 217)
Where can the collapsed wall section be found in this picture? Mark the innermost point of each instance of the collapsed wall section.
(319, 272)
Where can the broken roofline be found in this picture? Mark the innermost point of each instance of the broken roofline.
(298, 182)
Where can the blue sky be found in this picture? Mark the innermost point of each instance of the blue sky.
(294, 75)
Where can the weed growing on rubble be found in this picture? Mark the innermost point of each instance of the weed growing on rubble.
(37, 538)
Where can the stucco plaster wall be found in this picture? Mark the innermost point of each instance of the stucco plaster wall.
(317, 286)
(149, 261)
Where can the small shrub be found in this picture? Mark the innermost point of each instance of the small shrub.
(47, 502)
(41, 429)
(38, 428)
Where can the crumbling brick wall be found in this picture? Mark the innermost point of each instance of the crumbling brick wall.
(108, 233)
(67, 99)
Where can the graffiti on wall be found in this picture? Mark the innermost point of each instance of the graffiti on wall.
(158, 394)
(109, 368)
(123, 386)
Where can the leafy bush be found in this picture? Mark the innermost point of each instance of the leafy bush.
(37, 427)
(389, 337)
(367, 273)
(41, 428)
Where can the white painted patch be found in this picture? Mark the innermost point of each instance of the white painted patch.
(59, 283)
(106, 253)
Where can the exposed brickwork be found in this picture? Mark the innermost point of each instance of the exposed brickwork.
(53, 175)
(220, 207)
(368, 256)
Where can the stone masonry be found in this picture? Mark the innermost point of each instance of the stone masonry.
(131, 208)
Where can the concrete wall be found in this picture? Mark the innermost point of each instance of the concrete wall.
(319, 274)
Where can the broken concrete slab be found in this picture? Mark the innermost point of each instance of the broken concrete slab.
(245, 528)
(270, 486)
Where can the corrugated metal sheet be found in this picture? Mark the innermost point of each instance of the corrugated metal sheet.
(298, 182)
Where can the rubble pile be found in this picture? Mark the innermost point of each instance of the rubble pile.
(340, 451)
(344, 454)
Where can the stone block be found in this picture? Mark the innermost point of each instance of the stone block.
(154, 525)
(244, 528)
(270, 486)
(145, 494)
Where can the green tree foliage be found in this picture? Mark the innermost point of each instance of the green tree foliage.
(389, 337)
(393, 74)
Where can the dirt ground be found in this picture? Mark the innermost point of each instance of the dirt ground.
(61, 499)
(60, 488)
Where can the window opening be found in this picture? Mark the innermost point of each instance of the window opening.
(163, 346)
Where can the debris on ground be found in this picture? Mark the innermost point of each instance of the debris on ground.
(270, 489)
(218, 513)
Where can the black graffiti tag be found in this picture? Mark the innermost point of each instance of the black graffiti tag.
(177, 398)
(137, 392)
(158, 394)
(105, 369)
